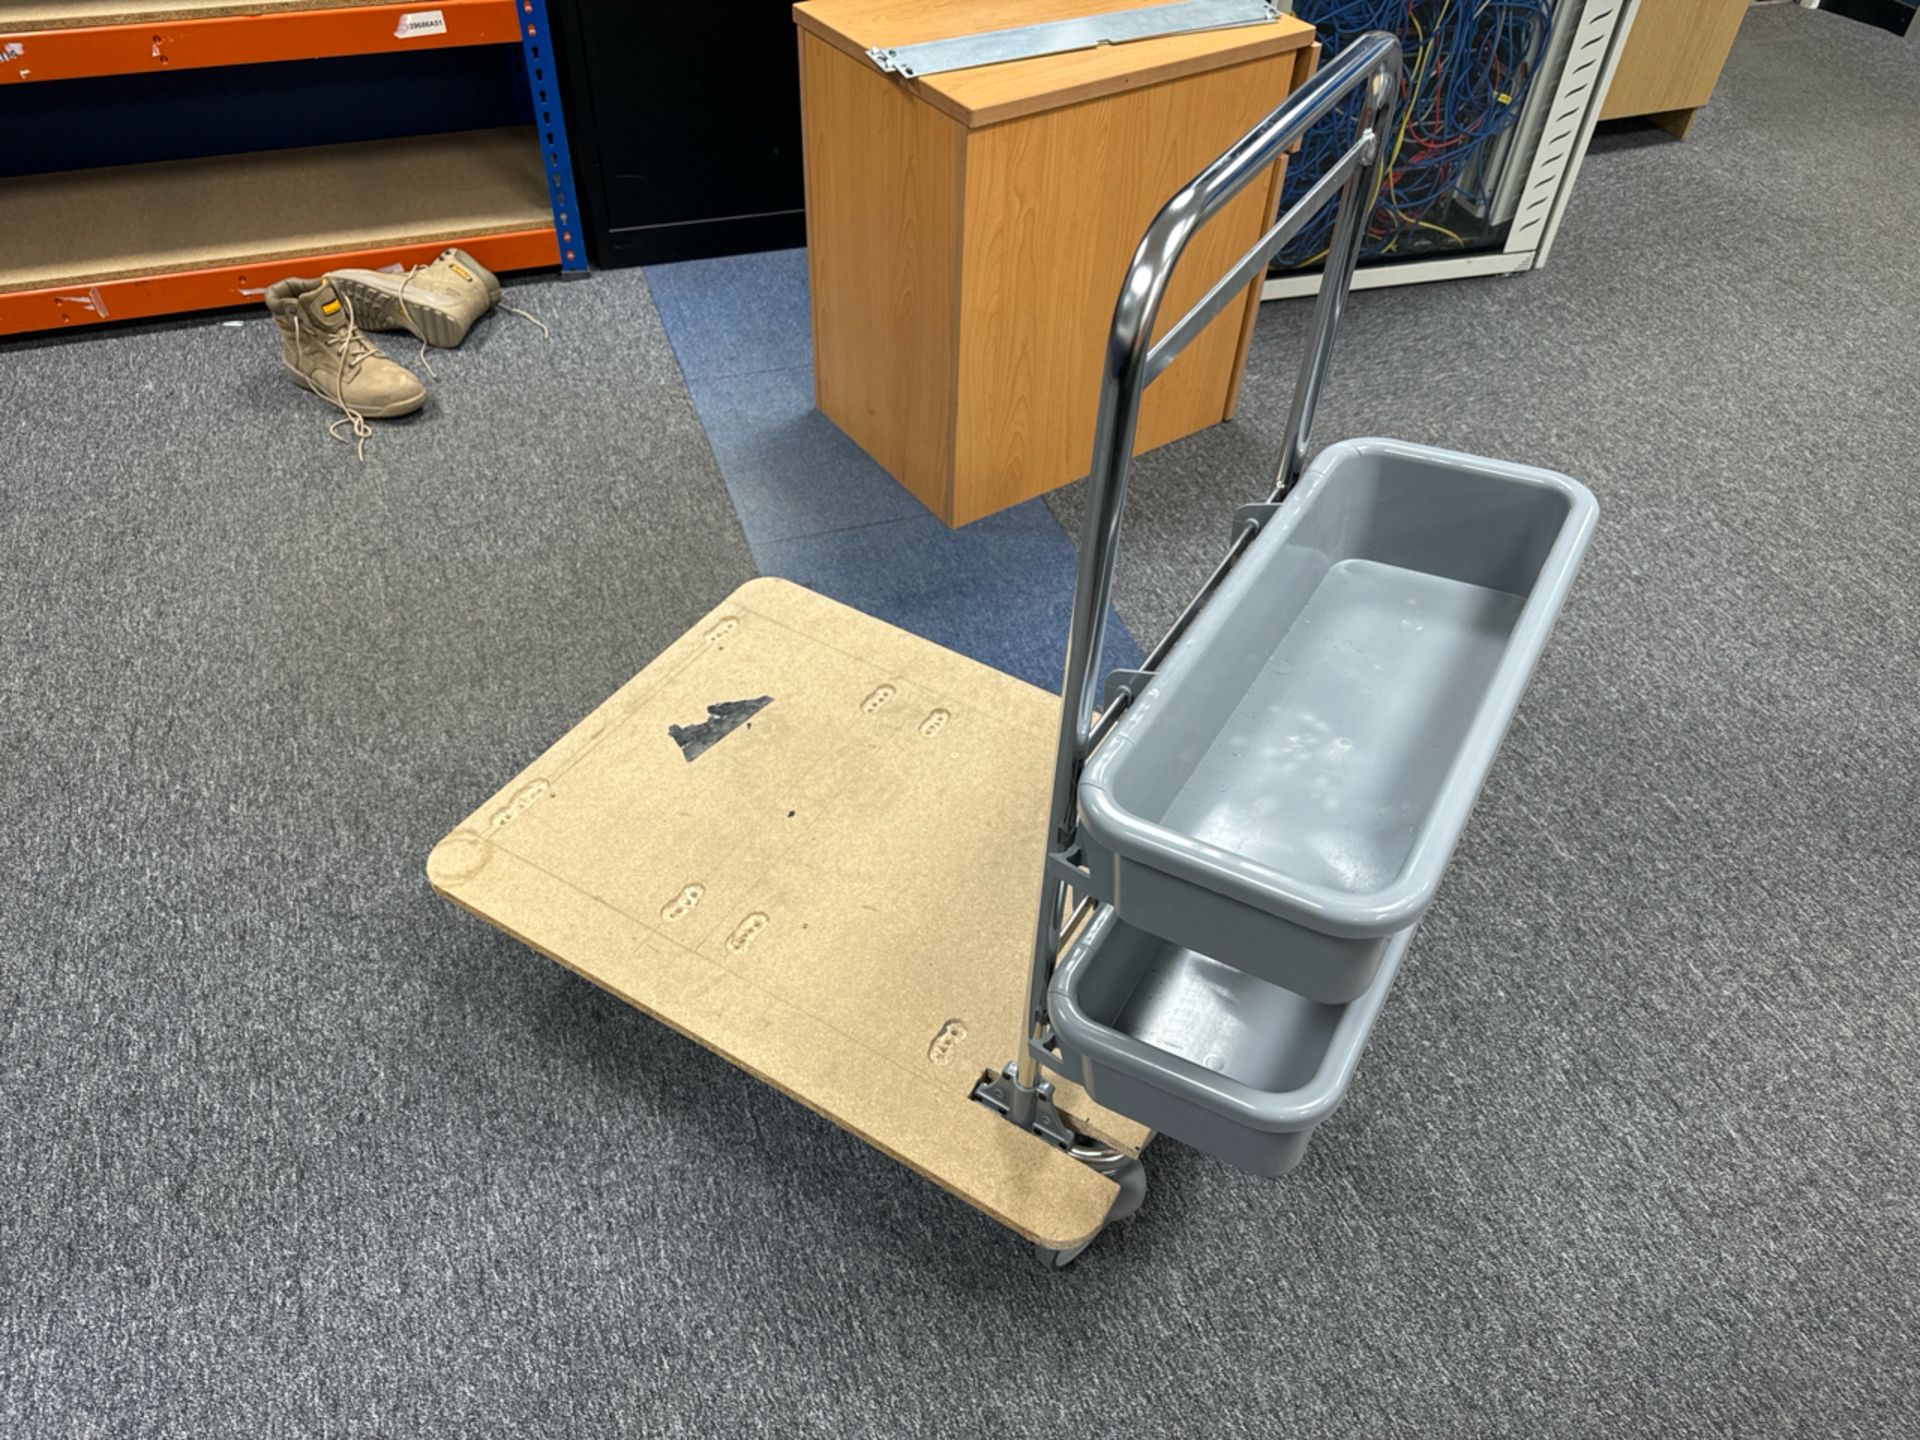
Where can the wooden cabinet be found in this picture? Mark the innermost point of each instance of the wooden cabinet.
(968, 232)
(1672, 58)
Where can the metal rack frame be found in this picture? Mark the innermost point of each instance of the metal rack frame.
(1132, 363)
(280, 33)
(263, 36)
(1554, 140)
(536, 32)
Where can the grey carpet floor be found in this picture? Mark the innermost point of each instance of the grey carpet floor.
(287, 1147)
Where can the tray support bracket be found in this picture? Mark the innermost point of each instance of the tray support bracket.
(1123, 682)
(1253, 517)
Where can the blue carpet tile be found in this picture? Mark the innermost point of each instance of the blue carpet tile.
(791, 471)
(737, 315)
(817, 510)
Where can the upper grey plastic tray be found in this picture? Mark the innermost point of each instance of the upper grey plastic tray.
(1285, 793)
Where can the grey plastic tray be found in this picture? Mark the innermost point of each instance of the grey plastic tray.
(1205, 1052)
(1285, 793)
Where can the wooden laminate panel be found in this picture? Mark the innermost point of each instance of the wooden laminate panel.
(1672, 57)
(1056, 205)
(883, 176)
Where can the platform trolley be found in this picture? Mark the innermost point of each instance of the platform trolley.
(1006, 938)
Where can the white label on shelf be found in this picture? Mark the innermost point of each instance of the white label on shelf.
(420, 22)
(12, 50)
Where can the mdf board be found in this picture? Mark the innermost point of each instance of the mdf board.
(837, 894)
(19, 16)
(968, 233)
(77, 226)
(1672, 59)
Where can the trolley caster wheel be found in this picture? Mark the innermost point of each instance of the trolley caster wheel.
(1131, 1177)
(1060, 1259)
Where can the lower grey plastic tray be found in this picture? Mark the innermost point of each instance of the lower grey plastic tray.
(1206, 1052)
(1286, 791)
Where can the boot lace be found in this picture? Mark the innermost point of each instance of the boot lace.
(351, 347)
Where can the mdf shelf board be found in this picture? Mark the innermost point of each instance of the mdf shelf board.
(836, 894)
(88, 225)
(17, 16)
(38, 48)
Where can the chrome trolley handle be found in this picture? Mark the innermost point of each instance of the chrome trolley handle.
(1132, 364)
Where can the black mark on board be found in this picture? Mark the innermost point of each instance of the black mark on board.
(722, 720)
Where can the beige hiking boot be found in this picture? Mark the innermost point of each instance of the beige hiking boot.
(323, 349)
(436, 303)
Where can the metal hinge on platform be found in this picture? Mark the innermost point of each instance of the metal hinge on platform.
(1023, 42)
(1000, 1092)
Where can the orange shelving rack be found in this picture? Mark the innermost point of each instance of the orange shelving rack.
(84, 246)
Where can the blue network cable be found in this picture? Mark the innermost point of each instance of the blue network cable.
(1468, 65)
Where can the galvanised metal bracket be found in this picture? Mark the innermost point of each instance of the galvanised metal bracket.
(1023, 42)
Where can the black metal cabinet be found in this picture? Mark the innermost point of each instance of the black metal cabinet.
(685, 123)
(1894, 15)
